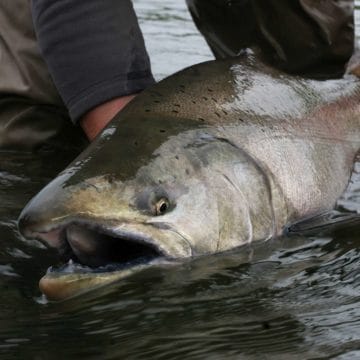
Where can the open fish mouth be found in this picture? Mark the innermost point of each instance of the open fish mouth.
(102, 251)
(93, 256)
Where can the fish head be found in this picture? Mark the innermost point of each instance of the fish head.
(142, 192)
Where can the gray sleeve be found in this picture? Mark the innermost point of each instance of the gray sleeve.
(94, 50)
(309, 37)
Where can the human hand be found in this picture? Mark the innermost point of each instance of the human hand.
(94, 121)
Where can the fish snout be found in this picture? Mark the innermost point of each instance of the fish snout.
(30, 226)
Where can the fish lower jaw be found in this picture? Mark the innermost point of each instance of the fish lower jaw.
(95, 254)
(72, 279)
(92, 258)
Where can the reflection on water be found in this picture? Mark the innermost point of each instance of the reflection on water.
(288, 298)
(170, 35)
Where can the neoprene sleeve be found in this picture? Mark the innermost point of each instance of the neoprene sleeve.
(314, 38)
(94, 50)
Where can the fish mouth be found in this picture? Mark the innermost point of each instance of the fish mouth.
(93, 256)
(102, 250)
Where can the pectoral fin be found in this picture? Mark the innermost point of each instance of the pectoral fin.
(325, 224)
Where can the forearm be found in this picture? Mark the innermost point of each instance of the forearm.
(94, 50)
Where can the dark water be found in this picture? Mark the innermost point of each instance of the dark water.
(286, 299)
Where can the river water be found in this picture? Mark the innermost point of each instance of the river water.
(285, 299)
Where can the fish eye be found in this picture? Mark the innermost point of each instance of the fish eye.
(161, 206)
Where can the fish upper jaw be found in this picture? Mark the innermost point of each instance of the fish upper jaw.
(98, 244)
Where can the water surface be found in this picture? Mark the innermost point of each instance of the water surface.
(285, 299)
